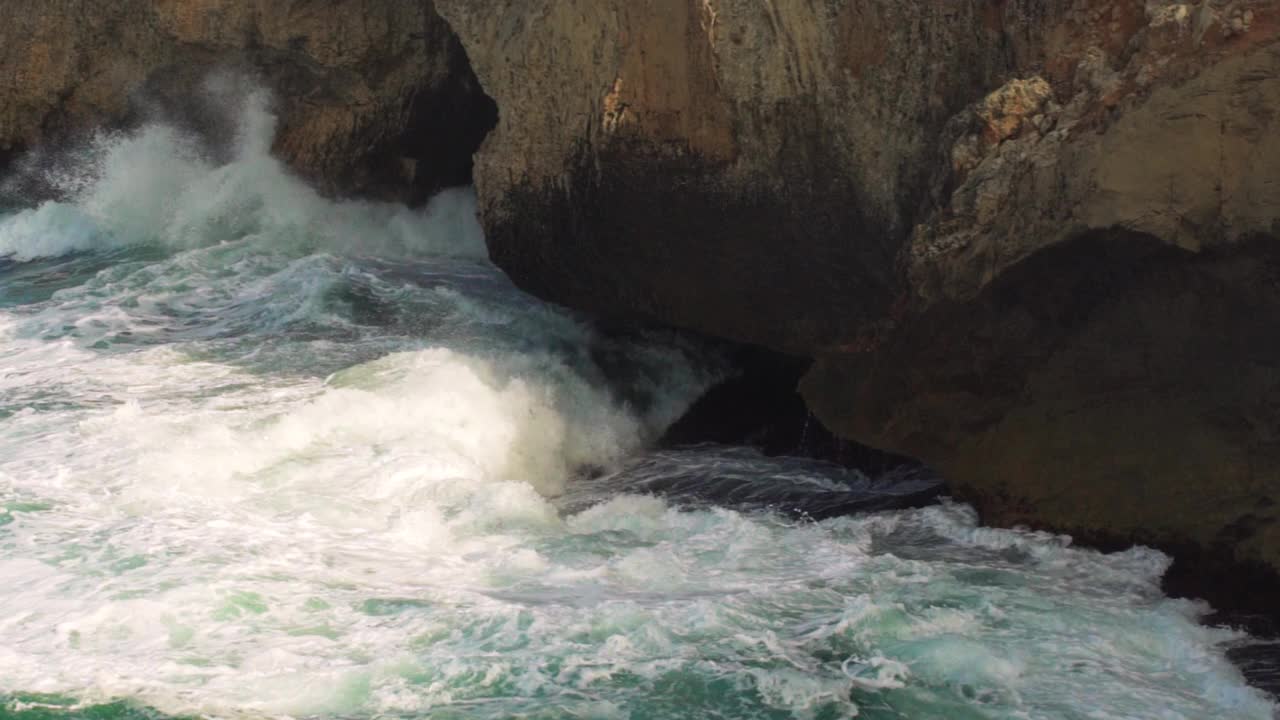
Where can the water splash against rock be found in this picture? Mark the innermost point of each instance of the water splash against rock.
(161, 185)
(249, 469)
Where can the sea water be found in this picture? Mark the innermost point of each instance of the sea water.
(266, 454)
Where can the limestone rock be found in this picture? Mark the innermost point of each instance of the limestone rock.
(1032, 243)
(1006, 112)
(747, 169)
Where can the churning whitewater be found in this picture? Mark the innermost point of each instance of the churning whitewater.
(263, 454)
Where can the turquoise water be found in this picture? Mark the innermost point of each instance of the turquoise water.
(266, 455)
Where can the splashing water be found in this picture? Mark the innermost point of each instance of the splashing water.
(156, 186)
(263, 454)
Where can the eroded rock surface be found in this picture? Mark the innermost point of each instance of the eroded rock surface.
(748, 169)
(1087, 339)
(375, 96)
(1031, 243)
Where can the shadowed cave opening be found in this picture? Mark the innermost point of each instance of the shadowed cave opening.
(749, 442)
(760, 406)
(445, 129)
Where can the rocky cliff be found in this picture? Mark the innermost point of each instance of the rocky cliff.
(1032, 243)
(1087, 339)
(375, 96)
(748, 169)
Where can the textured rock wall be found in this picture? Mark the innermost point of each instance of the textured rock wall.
(1087, 341)
(375, 96)
(1174, 136)
(1032, 243)
(744, 168)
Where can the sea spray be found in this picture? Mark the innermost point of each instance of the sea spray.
(161, 185)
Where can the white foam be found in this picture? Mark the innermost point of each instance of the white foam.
(155, 185)
(50, 230)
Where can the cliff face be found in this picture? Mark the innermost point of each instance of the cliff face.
(375, 95)
(1090, 343)
(1032, 243)
(748, 169)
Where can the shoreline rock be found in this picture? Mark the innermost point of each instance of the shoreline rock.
(1030, 244)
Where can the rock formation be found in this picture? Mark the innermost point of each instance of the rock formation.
(748, 169)
(375, 96)
(1087, 344)
(1032, 243)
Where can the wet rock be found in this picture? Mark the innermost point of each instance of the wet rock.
(1030, 243)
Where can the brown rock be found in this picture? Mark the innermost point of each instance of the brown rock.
(362, 85)
(1005, 112)
(1089, 347)
(1191, 163)
(741, 168)
(1031, 243)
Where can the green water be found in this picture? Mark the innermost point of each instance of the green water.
(24, 706)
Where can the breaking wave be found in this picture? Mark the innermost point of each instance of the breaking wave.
(266, 454)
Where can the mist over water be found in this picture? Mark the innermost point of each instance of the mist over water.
(266, 454)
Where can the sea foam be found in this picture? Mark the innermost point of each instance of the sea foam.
(160, 185)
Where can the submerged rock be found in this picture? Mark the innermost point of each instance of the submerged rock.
(716, 476)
